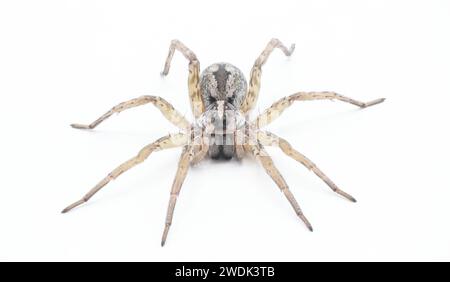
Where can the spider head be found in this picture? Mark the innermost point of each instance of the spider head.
(223, 87)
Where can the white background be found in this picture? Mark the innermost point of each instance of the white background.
(70, 61)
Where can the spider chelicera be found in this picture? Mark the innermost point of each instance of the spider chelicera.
(221, 102)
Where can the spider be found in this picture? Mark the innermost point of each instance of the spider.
(221, 103)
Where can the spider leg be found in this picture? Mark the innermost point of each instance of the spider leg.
(201, 147)
(194, 74)
(165, 107)
(278, 107)
(255, 74)
(166, 142)
(239, 141)
(266, 161)
(183, 166)
(270, 139)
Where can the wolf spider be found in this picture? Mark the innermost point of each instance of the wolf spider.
(221, 104)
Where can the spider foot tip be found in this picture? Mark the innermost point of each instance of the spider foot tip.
(349, 197)
(80, 126)
(380, 100)
(164, 72)
(346, 195)
(76, 204)
(374, 102)
(308, 225)
(164, 236)
(291, 50)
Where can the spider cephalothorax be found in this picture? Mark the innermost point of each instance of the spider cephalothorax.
(220, 103)
(223, 82)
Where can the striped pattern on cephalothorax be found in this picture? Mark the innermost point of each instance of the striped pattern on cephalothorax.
(223, 81)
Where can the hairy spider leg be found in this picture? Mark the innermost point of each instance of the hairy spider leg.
(194, 75)
(255, 74)
(277, 108)
(169, 112)
(166, 142)
(183, 166)
(266, 161)
(270, 139)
